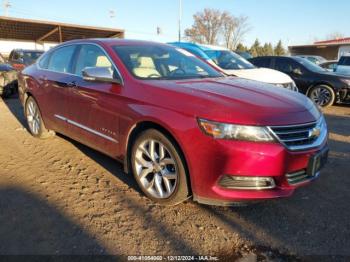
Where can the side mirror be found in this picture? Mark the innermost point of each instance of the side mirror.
(99, 74)
(297, 71)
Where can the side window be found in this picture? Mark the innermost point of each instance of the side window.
(44, 61)
(287, 66)
(60, 60)
(91, 56)
(262, 62)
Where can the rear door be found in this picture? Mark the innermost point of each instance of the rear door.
(56, 80)
(92, 107)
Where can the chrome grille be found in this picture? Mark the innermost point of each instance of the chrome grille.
(299, 135)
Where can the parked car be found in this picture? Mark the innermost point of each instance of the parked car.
(314, 59)
(329, 65)
(323, 87)
(20, 58)
(8, 76)
(234, 65)
(178, 125)
(343, 66)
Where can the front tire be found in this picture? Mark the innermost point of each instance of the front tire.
(34, 120)
(159, 168)
(322, 95)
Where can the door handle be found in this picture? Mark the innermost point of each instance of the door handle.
(72, 84)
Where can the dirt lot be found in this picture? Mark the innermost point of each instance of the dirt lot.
(60, 197)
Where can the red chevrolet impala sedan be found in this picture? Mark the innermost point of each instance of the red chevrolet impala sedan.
(179, 126)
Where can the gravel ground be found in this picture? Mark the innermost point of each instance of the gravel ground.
(60, 197)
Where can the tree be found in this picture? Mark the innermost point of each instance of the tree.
(241, 48)
(212, 26)
(207, 27)
(334, 35)
(234, 29)
(279, 49)
(228, 29)
(256, 49)
(241, 29)
(267, 50)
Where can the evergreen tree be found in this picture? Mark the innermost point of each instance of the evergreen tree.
(279, 49)
(241, 48)
(256, 49)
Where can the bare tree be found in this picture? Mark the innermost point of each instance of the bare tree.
(229, 25)
(212, 25)
(241, 29)
(334, 35)
(206, 28)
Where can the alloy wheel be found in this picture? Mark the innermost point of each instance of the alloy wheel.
(321, 96)
(33, 117)
(156, 168)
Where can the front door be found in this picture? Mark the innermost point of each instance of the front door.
(93, 106)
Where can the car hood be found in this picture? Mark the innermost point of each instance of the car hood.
(235, 100)
(265, 75)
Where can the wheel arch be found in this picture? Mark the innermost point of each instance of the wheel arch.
(320, 83)
(142, 126)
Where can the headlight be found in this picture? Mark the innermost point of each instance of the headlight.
(236, 132)
(346, 81)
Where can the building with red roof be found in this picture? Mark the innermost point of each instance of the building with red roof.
(330, 49)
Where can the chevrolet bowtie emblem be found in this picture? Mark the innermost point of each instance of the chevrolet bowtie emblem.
(315, 132)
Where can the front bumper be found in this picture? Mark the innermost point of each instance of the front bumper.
(217, 158)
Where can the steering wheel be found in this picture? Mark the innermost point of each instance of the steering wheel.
(176, 72)
(153, 76)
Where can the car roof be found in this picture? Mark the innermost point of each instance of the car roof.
(27, 50)
(113, 41)
(202, 47)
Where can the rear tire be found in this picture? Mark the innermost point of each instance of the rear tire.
(322, 95)
(159, 169)
(35, 122)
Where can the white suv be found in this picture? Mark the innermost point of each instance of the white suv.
(232, 64)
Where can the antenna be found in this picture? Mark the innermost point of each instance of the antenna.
(6, 5)
(180, 18)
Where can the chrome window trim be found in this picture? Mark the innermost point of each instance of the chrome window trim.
(318, 142)
(86, 128)
(79, 43)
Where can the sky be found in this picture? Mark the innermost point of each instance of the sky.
(292, 21)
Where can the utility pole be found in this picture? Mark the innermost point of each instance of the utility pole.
(180, 18)
(6, 5)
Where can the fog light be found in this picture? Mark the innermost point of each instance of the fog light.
(247, 183)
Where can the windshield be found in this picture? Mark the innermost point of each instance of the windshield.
(228, 60)
(162, 62)
(30, 57)
(311, 66)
